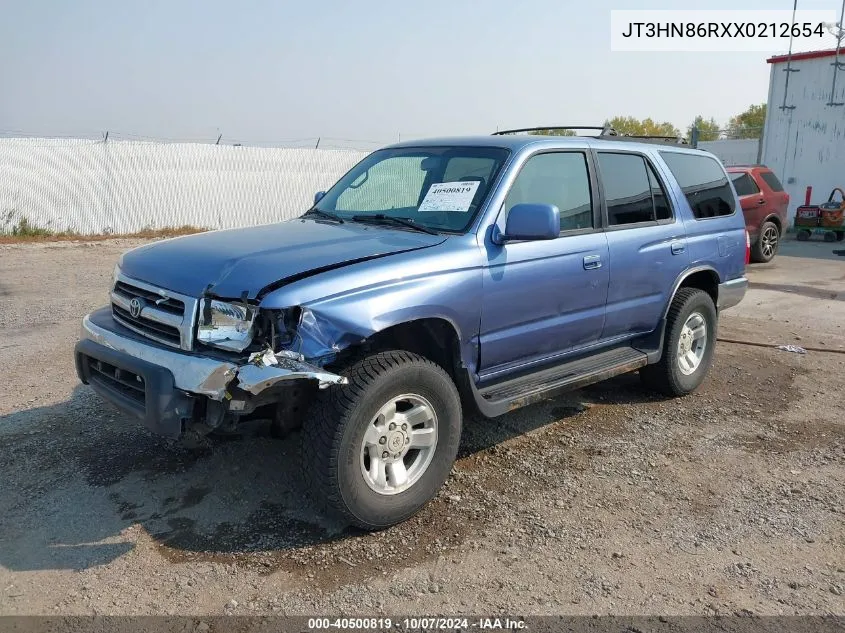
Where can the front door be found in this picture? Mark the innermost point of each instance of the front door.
(545, 298)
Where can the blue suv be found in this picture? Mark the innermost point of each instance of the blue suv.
(436, 277)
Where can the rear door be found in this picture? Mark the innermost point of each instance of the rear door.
(755, 205)
(647, 244)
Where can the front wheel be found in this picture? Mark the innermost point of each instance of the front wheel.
(379, 448)
(688, 344)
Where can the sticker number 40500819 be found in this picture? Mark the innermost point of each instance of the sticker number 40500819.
(450, 196)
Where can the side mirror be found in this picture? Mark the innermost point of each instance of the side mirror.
(528, 221)
(318, 196)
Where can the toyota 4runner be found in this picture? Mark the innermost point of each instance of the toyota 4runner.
(435, 277)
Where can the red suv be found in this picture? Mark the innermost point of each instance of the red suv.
(764, 204)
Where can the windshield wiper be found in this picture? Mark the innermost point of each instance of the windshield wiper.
(324, 214)
(381, 218)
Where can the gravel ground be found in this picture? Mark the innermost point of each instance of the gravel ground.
(729, 501)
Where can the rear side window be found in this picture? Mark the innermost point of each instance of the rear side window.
(771, 180)
(744, 184)
(704, 184)
(632, 190)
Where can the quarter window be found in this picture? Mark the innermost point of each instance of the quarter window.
(703, 181)
(744, 184)
(771, 180)
(558, 178)
(632, 190)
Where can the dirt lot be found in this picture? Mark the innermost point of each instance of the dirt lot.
(605, 501)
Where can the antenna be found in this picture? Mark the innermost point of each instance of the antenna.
(789, 68)
(837, 65)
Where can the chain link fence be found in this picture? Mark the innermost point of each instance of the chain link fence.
(123, 186)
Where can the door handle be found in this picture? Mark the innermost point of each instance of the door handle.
(591, 262)
(761, 201)
(678, 248)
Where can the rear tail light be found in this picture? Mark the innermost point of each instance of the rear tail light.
(747, 248)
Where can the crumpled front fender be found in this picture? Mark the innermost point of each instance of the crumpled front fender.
(269, 369)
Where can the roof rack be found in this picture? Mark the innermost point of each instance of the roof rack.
(605, 132)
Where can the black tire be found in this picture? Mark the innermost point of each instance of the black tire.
(290, 412)
(666, 376)
(333, 438)
(803, 235)
(829, 236)
(766, 247)
(840, 235)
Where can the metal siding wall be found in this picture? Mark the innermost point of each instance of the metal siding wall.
(124, 186)
(806, 146)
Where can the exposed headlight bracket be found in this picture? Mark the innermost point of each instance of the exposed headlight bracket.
(226, 325)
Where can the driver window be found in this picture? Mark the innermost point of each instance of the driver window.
(394, 183)
(558, 178)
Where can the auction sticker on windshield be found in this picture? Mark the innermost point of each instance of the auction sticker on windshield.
(450, 196)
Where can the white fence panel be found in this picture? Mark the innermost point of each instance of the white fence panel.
(733, 151)
(126, 186)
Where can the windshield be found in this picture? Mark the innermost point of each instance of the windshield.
(441, 188)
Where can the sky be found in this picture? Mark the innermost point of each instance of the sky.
(271, 71)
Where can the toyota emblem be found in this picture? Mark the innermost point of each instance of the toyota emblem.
(135, 307)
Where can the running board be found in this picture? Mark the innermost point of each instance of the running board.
(512, 394)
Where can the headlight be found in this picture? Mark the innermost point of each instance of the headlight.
(225, 325)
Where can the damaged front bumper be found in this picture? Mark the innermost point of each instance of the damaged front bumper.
(158, 385)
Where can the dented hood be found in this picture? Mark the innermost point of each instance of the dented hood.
(250, 259)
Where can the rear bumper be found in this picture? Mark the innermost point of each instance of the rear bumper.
(732, 292)
(159, 385)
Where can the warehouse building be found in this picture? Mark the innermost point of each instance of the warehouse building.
(804, 133)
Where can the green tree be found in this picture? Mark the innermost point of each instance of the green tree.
(553, 132)
(645, 127)
(708, 129)
(748, 124)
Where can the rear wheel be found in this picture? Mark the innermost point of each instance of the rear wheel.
(767, 244)
(379, 448)
(840, 236)
(829, 236)
(688, 344)
(803, 235)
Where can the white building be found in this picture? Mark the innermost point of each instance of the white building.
(804, 134)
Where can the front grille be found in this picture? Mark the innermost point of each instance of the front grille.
(161, 315)
(170, 304)
(122, 381)
(153, 329)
